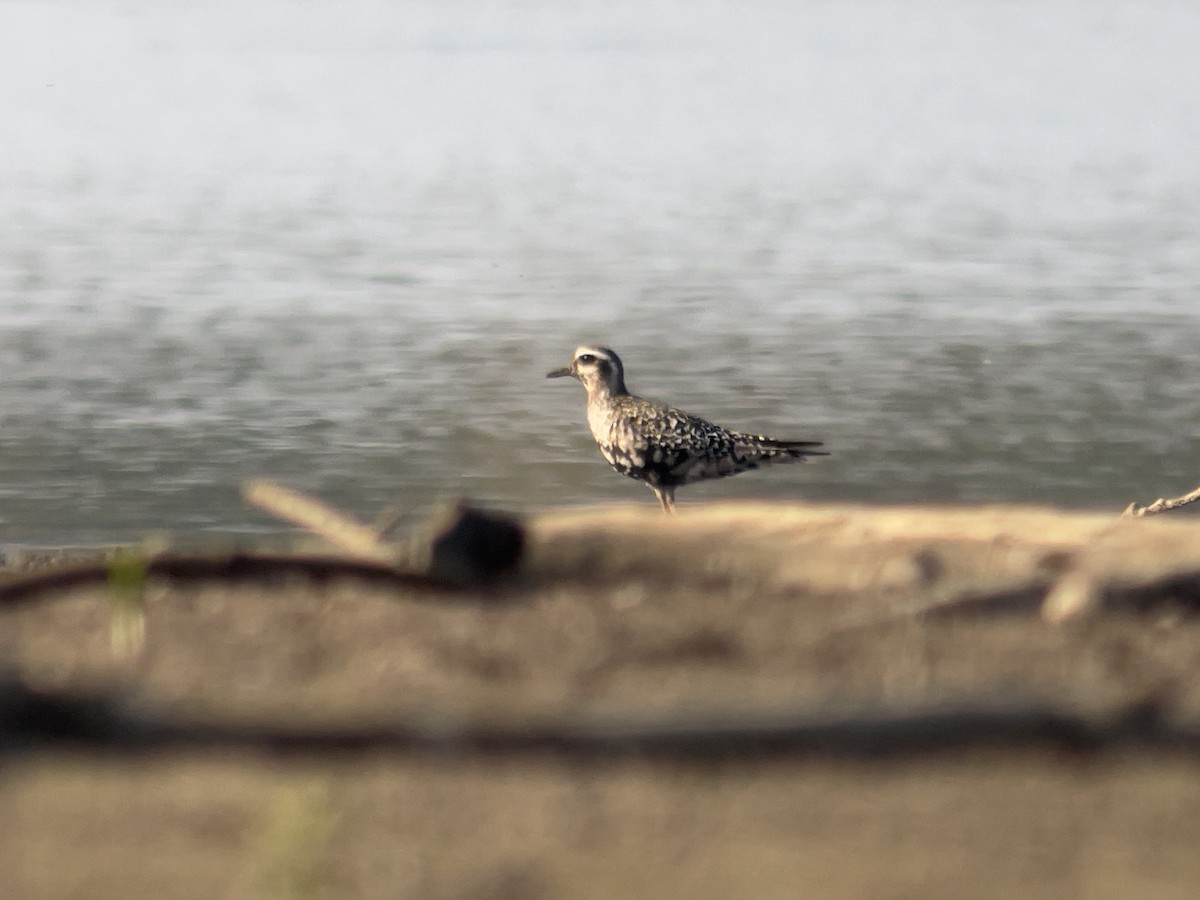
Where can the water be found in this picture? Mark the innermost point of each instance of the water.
(341, 246)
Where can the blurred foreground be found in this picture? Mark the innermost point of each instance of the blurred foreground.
(619, 612)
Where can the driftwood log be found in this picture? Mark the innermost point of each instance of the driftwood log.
(882, 563)
(855, 567)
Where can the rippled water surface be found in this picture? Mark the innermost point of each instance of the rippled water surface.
(342, 246)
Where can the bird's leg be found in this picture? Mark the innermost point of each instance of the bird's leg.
(666, 497)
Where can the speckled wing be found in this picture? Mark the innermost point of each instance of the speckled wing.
(666, 446)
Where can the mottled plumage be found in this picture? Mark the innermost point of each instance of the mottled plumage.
(658, 444)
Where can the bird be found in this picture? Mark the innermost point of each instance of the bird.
(660, 445)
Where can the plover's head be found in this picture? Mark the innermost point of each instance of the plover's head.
(598, 368)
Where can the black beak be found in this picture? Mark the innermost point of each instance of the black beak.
(566, 372)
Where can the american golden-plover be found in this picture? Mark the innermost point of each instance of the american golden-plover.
(658, 444)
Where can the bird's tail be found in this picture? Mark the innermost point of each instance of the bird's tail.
(772, 448)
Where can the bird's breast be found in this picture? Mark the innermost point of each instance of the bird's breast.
(600, 421)
(617, 439)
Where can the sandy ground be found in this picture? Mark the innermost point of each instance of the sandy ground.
(620, 611)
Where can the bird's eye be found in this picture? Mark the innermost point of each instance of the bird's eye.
(587, 358)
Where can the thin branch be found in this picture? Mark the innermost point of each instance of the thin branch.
(339, 529)
(1162, 505)
(265, 568)
(104, 724)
